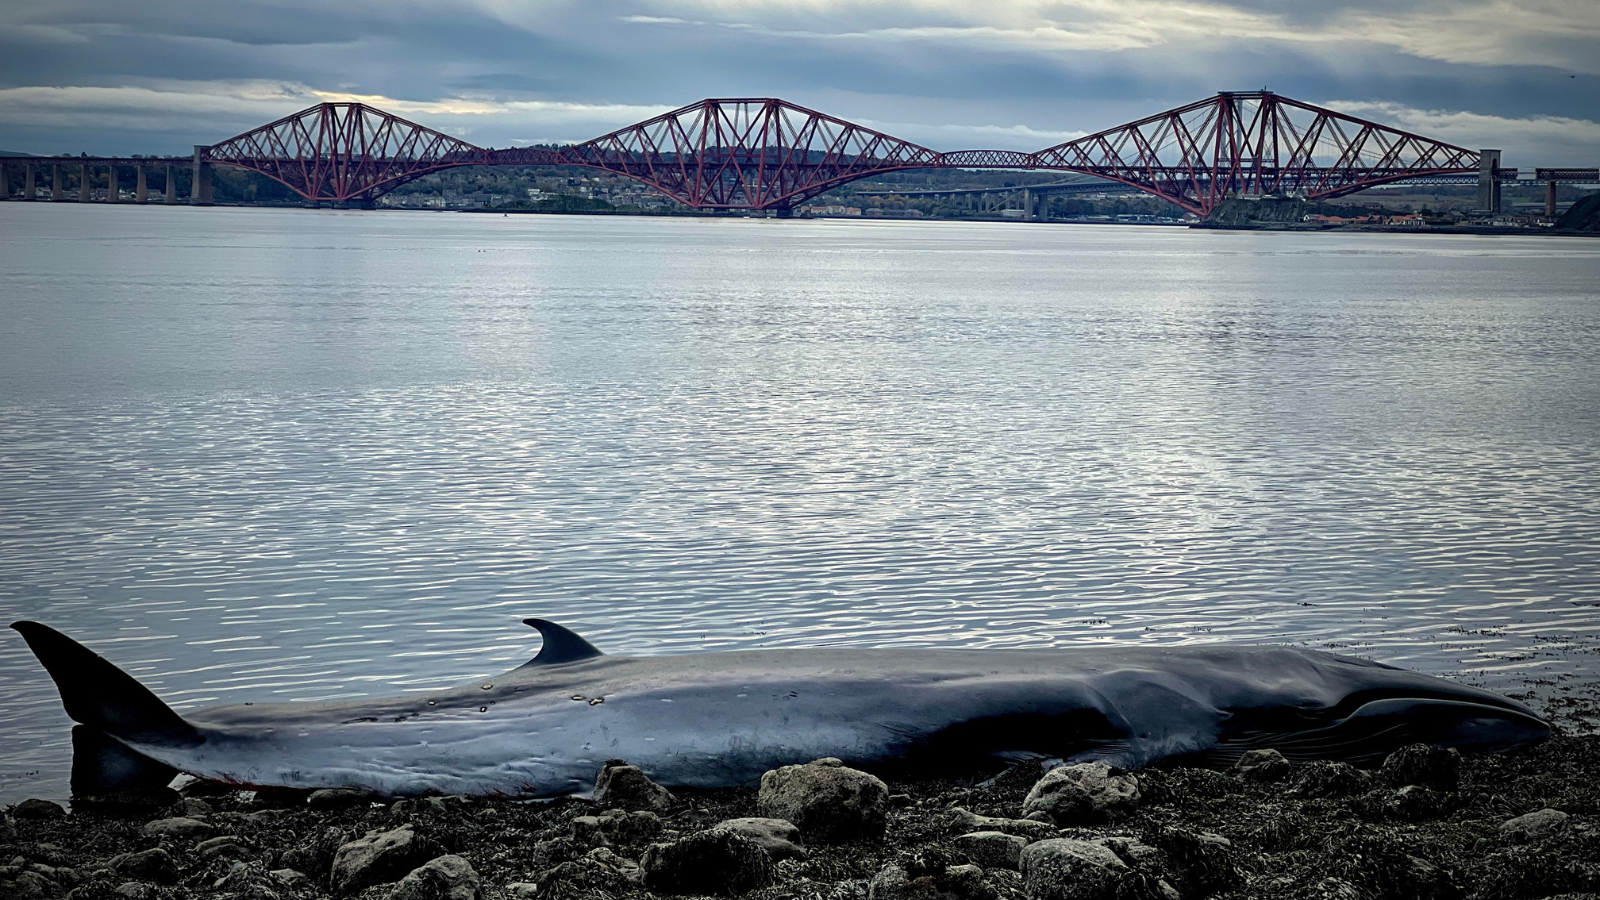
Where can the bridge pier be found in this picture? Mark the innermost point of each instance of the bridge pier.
(113, 191)
(30, 173)
(85, 183)
(141, 187)
(1550, 199)
(172, 186)
(1488, 183)
(200, 193)
(58, 192)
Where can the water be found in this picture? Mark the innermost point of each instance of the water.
(286, 455)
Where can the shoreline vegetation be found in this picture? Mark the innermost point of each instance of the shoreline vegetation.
(1427, 823)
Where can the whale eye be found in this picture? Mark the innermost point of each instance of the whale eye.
(432, 703)
(577, 696)
(597, 701)
(487, 686)
(483, 709)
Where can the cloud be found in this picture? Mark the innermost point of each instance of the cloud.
(1527, 142)
(238, 106)
(1481, 32)
(1015, 74)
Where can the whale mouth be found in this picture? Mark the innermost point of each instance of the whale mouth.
(1365, 731)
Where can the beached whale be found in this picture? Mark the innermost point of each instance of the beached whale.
(724, 718)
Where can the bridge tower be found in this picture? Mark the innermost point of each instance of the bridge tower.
(1488, 181)
(200, 191)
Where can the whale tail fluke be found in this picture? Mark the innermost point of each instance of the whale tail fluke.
(113, 709)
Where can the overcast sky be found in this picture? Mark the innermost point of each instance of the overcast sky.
(157, 76)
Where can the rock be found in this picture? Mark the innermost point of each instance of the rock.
(225, 847)
(1263, 766)
(33, 886)
(289, 878)
(1138, 855)
(1423, 764)
(135, 890)
(36, 809)
(779, 838)
(615, 825)
(147, 865)
(419, 806)
(381, 857)
(828, 802)
(1325, 780)
(241, 878)
(587, 831)
(1414, 803)
(448, 877)
(1084, 794)
(1533, 826)
(627, 787)
(1066, 869)
(194, 809)
(960, 821)
(931, 873)
(992, 849)
(964, 882)
(707, 862)
(598, 873)
(330, 799)
(179, 827)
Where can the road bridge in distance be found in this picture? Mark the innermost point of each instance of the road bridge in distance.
(763, 154)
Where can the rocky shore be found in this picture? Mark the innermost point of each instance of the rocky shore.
(1427, 824)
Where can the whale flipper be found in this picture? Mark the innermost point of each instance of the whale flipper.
(560, 645)
(104, 765)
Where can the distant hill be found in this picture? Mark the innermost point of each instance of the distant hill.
(13, 153)
(1582, 216)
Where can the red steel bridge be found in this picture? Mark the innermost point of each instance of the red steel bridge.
(766, 154)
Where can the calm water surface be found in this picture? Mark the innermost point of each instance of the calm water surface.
(289, 455)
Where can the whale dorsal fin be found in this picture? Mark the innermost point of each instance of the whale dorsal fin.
(560, 645)
(102, 696)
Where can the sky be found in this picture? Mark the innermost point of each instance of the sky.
(158, 76)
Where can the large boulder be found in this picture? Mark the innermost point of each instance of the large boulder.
(448, 877)
(779, 838)
(380, 857)
(1433, 767)
(147, 865)
(1084, 794)
(1263, 766)
(707, 862)
(626, 787)
(827, 801)
(991, 849)
(1067, 869)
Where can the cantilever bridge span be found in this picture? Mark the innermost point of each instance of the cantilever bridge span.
(767, 154)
